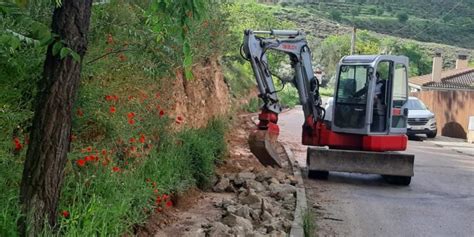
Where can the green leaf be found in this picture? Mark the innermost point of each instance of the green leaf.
(75, 56)
(57, 47)
(65, 51)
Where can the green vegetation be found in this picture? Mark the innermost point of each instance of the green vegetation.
(402, 17)
(423, 20)
(126, 159)
(309, 223)
(334, 47)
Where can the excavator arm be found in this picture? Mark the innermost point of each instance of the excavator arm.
(254, 49)
(292, 43)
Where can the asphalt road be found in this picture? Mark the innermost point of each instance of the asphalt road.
(439, 201)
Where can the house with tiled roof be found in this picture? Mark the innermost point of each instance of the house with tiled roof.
(459, 78)
(449, 94)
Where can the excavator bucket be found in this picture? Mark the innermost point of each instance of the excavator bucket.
(264, 146)
(389, 164)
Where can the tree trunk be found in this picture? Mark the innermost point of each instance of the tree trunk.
(50, 135)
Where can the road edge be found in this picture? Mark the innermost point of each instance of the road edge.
(301, 203)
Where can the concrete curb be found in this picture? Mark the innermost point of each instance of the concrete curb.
(301, 204)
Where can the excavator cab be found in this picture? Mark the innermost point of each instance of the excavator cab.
(369, 95)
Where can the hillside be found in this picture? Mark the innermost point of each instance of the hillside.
(318, 28)
(446, 22)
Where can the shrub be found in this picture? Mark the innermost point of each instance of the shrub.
(402, 17)
(372, 10)
(335, 15)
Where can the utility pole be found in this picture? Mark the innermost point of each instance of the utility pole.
(353, 39)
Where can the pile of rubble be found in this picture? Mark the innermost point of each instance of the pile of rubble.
(264, 204)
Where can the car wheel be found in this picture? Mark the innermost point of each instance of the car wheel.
(398, 180)
(432, 134)
(318, 174)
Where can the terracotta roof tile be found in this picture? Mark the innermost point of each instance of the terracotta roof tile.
(453, 79)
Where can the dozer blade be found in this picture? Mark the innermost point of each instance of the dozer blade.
(384, 163)
(264, 146)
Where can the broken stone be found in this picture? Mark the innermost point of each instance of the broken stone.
(218, 229)
(271, 226)
(253, 200)
(233, 221)
(257, 186)
(246, 175)
(226, 202)
(254, 214)
(266, 216)
(263, 176)
(292, 179)
(231, 209)
(222, 185)
(243, 211)
(269, 207)
(277, 233)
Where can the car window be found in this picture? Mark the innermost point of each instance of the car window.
(415, 104)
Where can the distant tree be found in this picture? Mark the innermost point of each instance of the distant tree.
(354, 12)
(372, 10)
(380, 11)
(402, 17)
(335, 15)
(447, 18)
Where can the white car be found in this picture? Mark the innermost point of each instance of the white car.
(420, 119)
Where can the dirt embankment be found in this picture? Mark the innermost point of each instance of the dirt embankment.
(201, 98)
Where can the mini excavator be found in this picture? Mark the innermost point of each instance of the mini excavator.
(366, 131)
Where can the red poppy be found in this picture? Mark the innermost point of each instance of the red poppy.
(133, 149)
(179, 118)
(80, 162)
(165, 196)
(115, 98)
(108, 98)
(112, 109)
(104, 152)
(132, 140)
(131, 115)
(148, 180)
(142, 139)
(89, 158)
(169, 203)
(155, 191)
(162, 113)
(79, 112)
(131, 121)
(115, 169)
(18, 145)
(89, 149)
(122, 57)
(65, 214)
(110, 39)
(158, 200)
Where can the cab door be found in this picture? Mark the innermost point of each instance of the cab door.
(399, 94)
